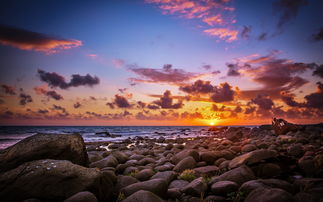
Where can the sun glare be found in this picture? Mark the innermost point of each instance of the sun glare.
(212, 123)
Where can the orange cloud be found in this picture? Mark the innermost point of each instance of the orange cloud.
(214, 20)
(28, 40)
(223, 33)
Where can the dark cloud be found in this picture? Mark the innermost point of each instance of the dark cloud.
(55, 80)
(289, 99)
(223, 93)
(198, 87)
(245, 33)
(53, 94)
(28, 40)
(318, 36)
(77, 105)
(233, 70)
(165, 75)
(314, 100)
(263, 102)
(121, 102)
(10, 90)
(6, 114)
(153, 106)
(166, 101)
(25, 99)
(122, 90)
(250, 110)
(110, 104)
(288, 10)
(263, 36)
(207, 67)
(318, 70)
(60, 109)
(43, 111)
(141, 104)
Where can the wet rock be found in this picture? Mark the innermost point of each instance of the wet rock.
(206, 170)
(144, 174)
(269, 195)
(45, 146)
(84, 196)
(156, 186)
(53, 180)
(109, 161)
(224, 187)
(239, 175)
(143, 196)
(183, 154)
(281, 127)
(186, 163)
(196, 187)
(169, 146)
(252, 157)
(168, 176)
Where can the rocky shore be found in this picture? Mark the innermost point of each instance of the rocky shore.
(282, 162)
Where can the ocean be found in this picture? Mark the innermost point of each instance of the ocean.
(10, 135)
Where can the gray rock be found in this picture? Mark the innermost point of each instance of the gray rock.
(207, 170)
(143, 196)
(120, 156)
(269, 195)
(179, 184)
(209, 157)
(168, 176)
(186, 163)
(84, 196)
(249, 186)
(53, 180)
(196, 187)
(239, 175)
(124, 181)
(224, 187)
(144, 174)
(183, 154)
(45, 146)
(252, 157)
(109, 161)
(173, 193)
(156, 186)
(212, 198)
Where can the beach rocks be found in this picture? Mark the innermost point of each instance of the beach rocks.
(206, 170)
(156, 186)
(209, 157)
(224, 187)
(269, 195)
(83, 196)
(196, 187)
(185, 153)
(143, 196)
(109, 161)
(186, 163)
(239, 175)
(168, 176)
(53, 180)
(252, 157)
(45, 146)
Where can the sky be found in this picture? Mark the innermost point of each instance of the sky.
(160, 62)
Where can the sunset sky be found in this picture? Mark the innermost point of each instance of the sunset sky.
(160, 62)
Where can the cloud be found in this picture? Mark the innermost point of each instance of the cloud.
(141, 104)
(214, 20)
(263, 36)
(28, 40)
(118, 63)
(166, 101)
(225, 34)
(318, 36)
(61, 109)
(207, 67)
(55, 80)
(77, 105)
(288, 10)
(289, 99)
(165, 75)
(121, 102)
(264, 102)
(318, 70)
(50, 94)
(43, 111)
(10, 90)
(221, 93)
(25, 99)
(314, 100)
(245, 33)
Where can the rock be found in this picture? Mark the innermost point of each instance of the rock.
(269, 195)
(295, 150)
(130, 169)
(209, 157)
(248, 148)
(156, 186)
(120, 156)
(174, 193)
(206, 170)
(45, 146)
(179, 184)
(109, 161)
(137, 157)
(281, 127)
(306, 164)
(53, 180)
(183, 154)
(252, 157)
(169, 146)
(267, 170)
(144, 174)
(146, 161)
(124, 181)
(196, 187)
(186, 163)
(84, 196)
(239, 175)
(165, 167)
(212, 198)
(249, 186)
(302, 197)
(224, 187)
(143, 196)
(168, 176)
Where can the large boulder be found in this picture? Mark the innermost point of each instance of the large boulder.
(168, 176)
(196, 187)
(238, 175)
(186, 163)
(45, 146)
(281, 127)
(224, 187)
(252, 157)
(53, 180)
(249, 186)
(209, 157)
(83, 196)
(156, 186)
(206, 170)
(109, 161)
(269, 195)
(185, 153)
(143, 196)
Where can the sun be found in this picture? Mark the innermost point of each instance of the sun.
(212, 123)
